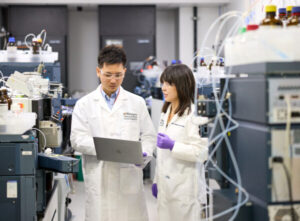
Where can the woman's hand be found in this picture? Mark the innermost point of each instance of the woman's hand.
(154, 190)
(164, 141)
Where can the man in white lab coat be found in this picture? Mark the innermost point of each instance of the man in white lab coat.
(114, 191)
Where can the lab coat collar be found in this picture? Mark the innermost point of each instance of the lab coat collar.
(176, 116)
(99, 98)
(120, 99)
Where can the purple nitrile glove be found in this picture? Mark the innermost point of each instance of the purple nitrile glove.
(164, 141)
(154, 190)
(144, 155)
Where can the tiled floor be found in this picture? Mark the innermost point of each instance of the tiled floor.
(78, 199)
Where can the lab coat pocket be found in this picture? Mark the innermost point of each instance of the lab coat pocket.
(130, 180)
(180, 187)
(130, 130)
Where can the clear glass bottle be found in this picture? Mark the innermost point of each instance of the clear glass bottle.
(11, 49)
(270, 19)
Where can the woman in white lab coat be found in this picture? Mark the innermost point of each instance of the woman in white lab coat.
(179, 182)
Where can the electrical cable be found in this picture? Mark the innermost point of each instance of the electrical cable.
(288, 179)
(288, 143)
(44, 137)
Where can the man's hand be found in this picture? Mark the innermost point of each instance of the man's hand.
(146, 160)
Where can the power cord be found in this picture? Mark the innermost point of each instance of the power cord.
(280, 160)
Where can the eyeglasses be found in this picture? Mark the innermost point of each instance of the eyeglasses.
(110, 76)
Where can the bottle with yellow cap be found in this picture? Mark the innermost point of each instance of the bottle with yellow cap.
(289, 11)
(295, 19)
(270, 19)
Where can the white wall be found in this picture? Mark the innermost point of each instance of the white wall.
(185, 27)
(83, 46)
(206, 16)
(166, 34)
(239, 5)
(174, 40)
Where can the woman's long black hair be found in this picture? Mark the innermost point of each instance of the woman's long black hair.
(182, 77)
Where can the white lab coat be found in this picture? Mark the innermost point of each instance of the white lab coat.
(114, 191)
(180, 184)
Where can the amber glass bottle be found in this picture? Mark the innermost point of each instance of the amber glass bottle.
(295, 19)
(289, 11)
(202, 62)
(282, 14)
(5, 95)
(270, 19)
(3, 104)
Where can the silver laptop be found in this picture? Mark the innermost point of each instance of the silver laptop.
(121, 151)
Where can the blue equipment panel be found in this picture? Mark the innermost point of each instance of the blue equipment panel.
(17, 198)
(17, 158)
(51, 71)
(58, 163)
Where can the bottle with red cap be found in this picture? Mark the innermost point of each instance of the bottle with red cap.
(252, 27)
(251, 44)
(295, 19)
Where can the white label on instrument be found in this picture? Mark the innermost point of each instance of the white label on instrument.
(12, 189)
(26, 153)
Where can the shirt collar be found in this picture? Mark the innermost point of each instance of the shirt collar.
(113, 96)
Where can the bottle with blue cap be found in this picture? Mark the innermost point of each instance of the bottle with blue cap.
(282, 14)
(202, 62)
(11, 49)
(295, 19)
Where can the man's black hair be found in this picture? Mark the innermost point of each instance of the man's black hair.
(112, 54)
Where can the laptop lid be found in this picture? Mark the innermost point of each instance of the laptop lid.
(116, 150)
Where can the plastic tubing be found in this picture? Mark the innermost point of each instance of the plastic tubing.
(220, 109)
(228, 145)
(213, 25)
(218, 118)
(25, 39)
(44, 39)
